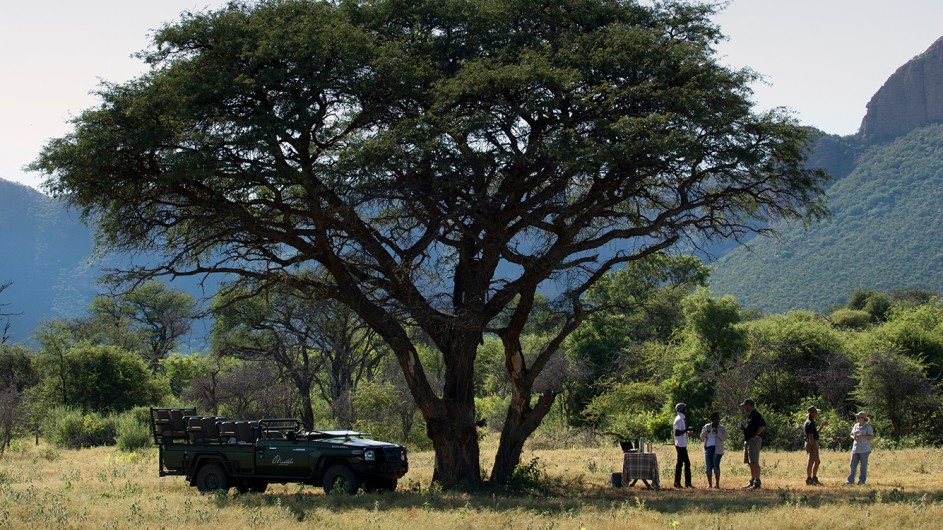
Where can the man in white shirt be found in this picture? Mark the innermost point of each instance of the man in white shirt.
(681, 446)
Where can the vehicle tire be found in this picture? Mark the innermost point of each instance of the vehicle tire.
(212, 477)
(342, 479)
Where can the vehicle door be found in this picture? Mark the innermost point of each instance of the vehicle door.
(283, 458)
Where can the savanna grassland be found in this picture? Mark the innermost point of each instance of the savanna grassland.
(41, 487)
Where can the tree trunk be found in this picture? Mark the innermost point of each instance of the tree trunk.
(307, 410)
(455, 441)
(450, 420)
(522, 418)
(521, 422)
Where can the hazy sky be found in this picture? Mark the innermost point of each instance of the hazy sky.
(823, 59)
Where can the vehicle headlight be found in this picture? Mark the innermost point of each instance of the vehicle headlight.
(369, 455)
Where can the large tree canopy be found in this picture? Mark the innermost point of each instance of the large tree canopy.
(441, 160)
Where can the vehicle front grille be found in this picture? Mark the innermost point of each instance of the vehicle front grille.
(392, 454)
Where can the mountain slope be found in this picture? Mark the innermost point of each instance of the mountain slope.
(45, 253)
(886, 232)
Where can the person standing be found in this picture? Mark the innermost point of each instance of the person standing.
(681, 446)
(753, 429)
(812, 446)
(713, 435)
(862, 433)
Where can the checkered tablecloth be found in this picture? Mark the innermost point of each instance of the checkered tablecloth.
(640, 466)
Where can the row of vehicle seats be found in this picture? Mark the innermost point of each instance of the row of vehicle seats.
(203, 429)
(238, 431)
(170, 423)
(180, 424)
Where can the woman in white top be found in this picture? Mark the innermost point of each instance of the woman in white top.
(713, 435)
(862, 433)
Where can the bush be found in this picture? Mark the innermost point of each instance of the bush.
(630, 410)
(549, 439)
(850, 318)
(133, 429)
(70, 428)
(386, 414)
(103, 379)
(532, 478)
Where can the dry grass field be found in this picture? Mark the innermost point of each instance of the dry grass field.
(42, 487)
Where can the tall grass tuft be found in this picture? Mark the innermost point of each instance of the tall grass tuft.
(133, 429)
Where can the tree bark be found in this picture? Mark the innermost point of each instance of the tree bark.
(307, 409)
(455, 441)
(521, 422)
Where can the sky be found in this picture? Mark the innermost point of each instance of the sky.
(823, 59)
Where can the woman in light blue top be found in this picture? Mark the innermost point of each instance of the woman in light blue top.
(862, 433)
(713, 435)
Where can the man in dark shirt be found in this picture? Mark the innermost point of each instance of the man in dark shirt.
(812, 446)
(753, 429)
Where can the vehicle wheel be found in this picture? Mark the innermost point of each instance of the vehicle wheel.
(341, 478)
(212, 477)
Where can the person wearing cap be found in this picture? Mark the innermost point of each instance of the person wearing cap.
(713, 435)
(812, 446)
(862, 433)
(753, 429)
(681, 446)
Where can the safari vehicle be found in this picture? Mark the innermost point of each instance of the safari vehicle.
(216, 453)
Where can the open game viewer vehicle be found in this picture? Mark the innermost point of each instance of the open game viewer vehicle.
(215, 453)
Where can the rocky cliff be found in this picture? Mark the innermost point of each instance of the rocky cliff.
(911, 98)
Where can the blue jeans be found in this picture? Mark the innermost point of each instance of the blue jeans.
(712, 460)
(855, 458)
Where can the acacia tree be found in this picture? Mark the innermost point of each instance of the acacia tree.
(896, 387)
(152, 314)
(441, 160)
(314, 343)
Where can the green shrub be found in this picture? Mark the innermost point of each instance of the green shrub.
(386, 413)
(850, 318)
(62, 426)
(630, 410)
(133, 429)
(70, 428)
(530, 478)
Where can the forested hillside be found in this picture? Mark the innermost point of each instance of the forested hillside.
(45, 256)
(884, 233)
